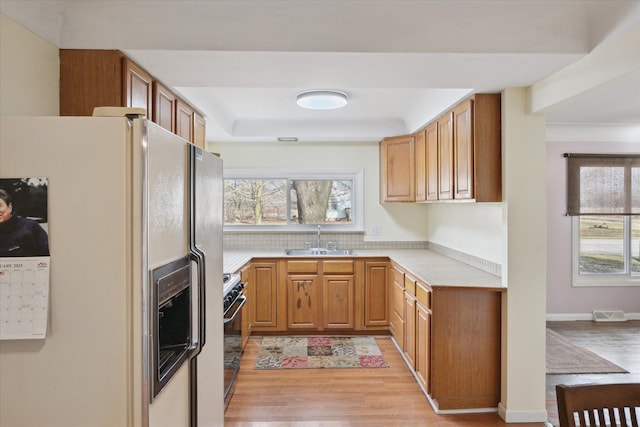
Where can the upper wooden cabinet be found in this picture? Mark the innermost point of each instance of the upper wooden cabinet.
(397, 169)
(92, 78)
(138, 87)
(463, 152)
(431, 161)
(478, 133)
(184, 120)
(456, 157)
(199, 127)
(164, 107)
(421, 165)
(445, 157)
(469, 151)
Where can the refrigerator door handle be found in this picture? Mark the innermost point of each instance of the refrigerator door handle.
(198, 256)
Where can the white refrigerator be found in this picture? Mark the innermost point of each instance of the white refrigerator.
(125, 197)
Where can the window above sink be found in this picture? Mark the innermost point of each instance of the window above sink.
(293, 200)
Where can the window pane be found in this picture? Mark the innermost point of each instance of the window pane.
(635, 244)
(602, 189)
(601, 244)
(321, 201)
(255, 201)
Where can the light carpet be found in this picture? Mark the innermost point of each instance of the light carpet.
(566, 357)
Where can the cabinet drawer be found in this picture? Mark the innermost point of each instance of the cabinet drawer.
(410, 284)
(338, 267)
(398, 276)
(302, 266)
(423, 295)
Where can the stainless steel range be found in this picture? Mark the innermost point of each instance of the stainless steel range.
(233, 303)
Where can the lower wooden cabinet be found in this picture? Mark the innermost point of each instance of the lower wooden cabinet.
(264, 279)
(303, 302)
(465, 348)
(338, 301)
(320, 294)
(376, 294)
(409, 347)
(448, 335)
(423, 346)
(247, 310)
(396, 324)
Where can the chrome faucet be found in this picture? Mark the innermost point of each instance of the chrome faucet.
(318, 236)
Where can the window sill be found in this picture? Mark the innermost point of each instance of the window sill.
(605, 281)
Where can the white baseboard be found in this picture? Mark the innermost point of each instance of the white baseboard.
(513, 416)
(559, 317)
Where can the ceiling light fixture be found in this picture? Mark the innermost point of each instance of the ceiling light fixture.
(287, 139)
(322, 99)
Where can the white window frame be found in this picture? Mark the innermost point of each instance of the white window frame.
(608, 279)
(357, 197)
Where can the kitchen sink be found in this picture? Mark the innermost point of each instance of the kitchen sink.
(319, 252)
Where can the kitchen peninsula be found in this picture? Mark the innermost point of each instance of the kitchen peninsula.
(444, 315)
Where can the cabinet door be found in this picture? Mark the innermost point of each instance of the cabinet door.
(445, 157)
(247, 309)
(164, 107)
(265, 290)
(409, 346)
(90, 78)
(138, 87)
(397, 309)
(302, 302)
(397, 166)
(184, 120)
(463, 150)
(431, 143)
(376, 299)
(198, 130)
(337, 301)
(423, 353)
(421, 166)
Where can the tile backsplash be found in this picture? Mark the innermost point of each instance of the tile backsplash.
(280, 241)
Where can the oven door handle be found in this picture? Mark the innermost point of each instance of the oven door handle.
(242, 300)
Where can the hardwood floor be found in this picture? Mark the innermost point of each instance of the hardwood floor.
(376, 397)
(618, 342)
(386, 397)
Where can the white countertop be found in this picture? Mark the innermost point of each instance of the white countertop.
(431, 267)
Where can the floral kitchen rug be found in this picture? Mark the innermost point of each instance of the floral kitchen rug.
(319, 352)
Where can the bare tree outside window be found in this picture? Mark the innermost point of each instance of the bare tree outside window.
(285, 202)
(254, 201)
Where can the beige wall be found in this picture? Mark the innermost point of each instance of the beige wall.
(29, 72)
(524, 264)
(397, 221)
(472, 228)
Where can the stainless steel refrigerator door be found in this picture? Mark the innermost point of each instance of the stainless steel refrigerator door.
(165, 192)
(208, 239)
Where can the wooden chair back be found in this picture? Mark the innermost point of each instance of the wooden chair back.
(599, 405)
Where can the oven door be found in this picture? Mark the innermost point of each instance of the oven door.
(232, 346)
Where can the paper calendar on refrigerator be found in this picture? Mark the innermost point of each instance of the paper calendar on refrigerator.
(24, 297)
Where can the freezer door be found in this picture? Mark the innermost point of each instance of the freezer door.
(165, 181)
(207, 368)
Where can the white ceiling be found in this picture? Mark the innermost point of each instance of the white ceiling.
(242, 62)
